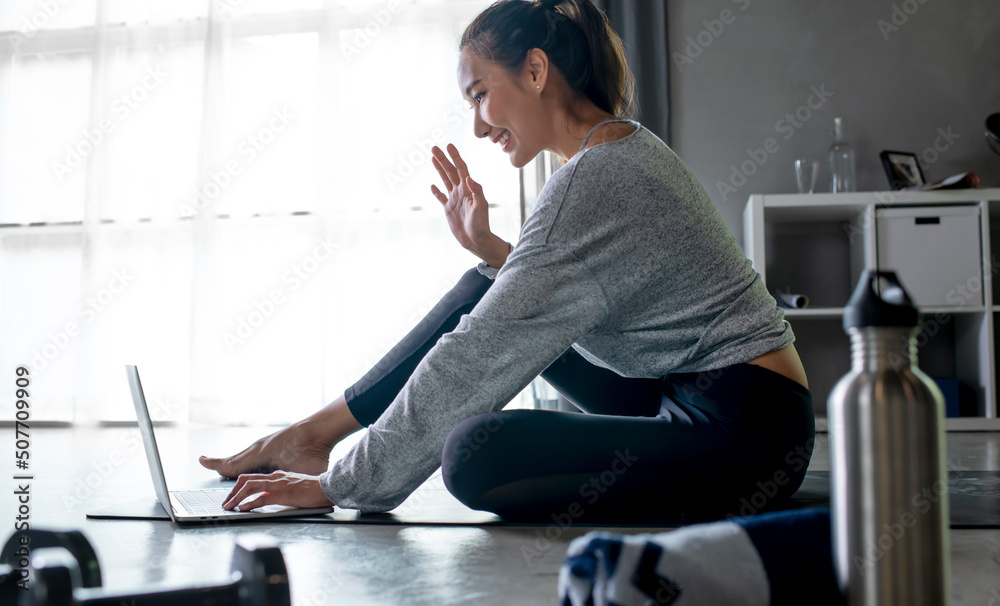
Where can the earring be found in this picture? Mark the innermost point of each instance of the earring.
(538, 86)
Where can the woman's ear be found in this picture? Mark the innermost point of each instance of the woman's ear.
(536, 69)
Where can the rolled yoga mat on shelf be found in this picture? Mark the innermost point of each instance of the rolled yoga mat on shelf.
(791, 301)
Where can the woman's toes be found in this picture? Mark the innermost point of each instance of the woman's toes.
(227, 467)
(286, 450)
(220, 465)
(209, 462)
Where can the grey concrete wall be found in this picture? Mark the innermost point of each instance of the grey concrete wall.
(769, 76)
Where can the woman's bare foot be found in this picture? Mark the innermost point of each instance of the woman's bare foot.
(288, 449)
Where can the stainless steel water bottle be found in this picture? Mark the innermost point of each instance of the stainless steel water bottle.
(889, 500)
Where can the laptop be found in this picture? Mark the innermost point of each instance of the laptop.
(199, 504)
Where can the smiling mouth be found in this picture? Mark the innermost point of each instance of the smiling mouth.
(503, 140)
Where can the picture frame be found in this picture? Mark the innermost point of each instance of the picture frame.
(902, 169)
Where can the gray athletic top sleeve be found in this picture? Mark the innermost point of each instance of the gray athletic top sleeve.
(626, 259)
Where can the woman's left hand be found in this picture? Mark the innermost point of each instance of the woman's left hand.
(279, 488)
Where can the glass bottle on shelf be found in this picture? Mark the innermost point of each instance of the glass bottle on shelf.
(842, 177)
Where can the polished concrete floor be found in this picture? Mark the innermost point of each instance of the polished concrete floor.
(77, 470)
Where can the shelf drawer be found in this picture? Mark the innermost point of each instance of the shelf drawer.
(935, 250)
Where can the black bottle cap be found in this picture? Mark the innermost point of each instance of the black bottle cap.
(893, 307)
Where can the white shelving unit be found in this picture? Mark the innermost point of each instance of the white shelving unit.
(818, 244)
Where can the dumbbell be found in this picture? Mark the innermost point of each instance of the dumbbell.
(258, 578)
(15, 554)
(8, 585)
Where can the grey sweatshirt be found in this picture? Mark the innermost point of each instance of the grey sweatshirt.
(626, 259)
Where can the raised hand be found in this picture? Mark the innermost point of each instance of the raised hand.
(466, 208)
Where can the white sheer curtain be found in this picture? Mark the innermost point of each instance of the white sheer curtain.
(232, 194)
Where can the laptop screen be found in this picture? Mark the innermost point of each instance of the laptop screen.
(148, 439)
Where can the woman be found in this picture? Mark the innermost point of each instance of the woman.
(626, 291)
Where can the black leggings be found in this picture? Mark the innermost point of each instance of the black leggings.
(732, 440)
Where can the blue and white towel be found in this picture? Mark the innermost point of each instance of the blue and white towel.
(777, 558)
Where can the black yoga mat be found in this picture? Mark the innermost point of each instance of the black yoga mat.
(973, 496)
(974, 501)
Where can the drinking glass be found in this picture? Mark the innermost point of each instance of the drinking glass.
(806, 171)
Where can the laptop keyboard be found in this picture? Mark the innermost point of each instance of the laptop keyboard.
(205, 502)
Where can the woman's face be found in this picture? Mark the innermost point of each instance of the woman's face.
(506, 108)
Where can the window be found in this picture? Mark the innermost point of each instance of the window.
(234, 195)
